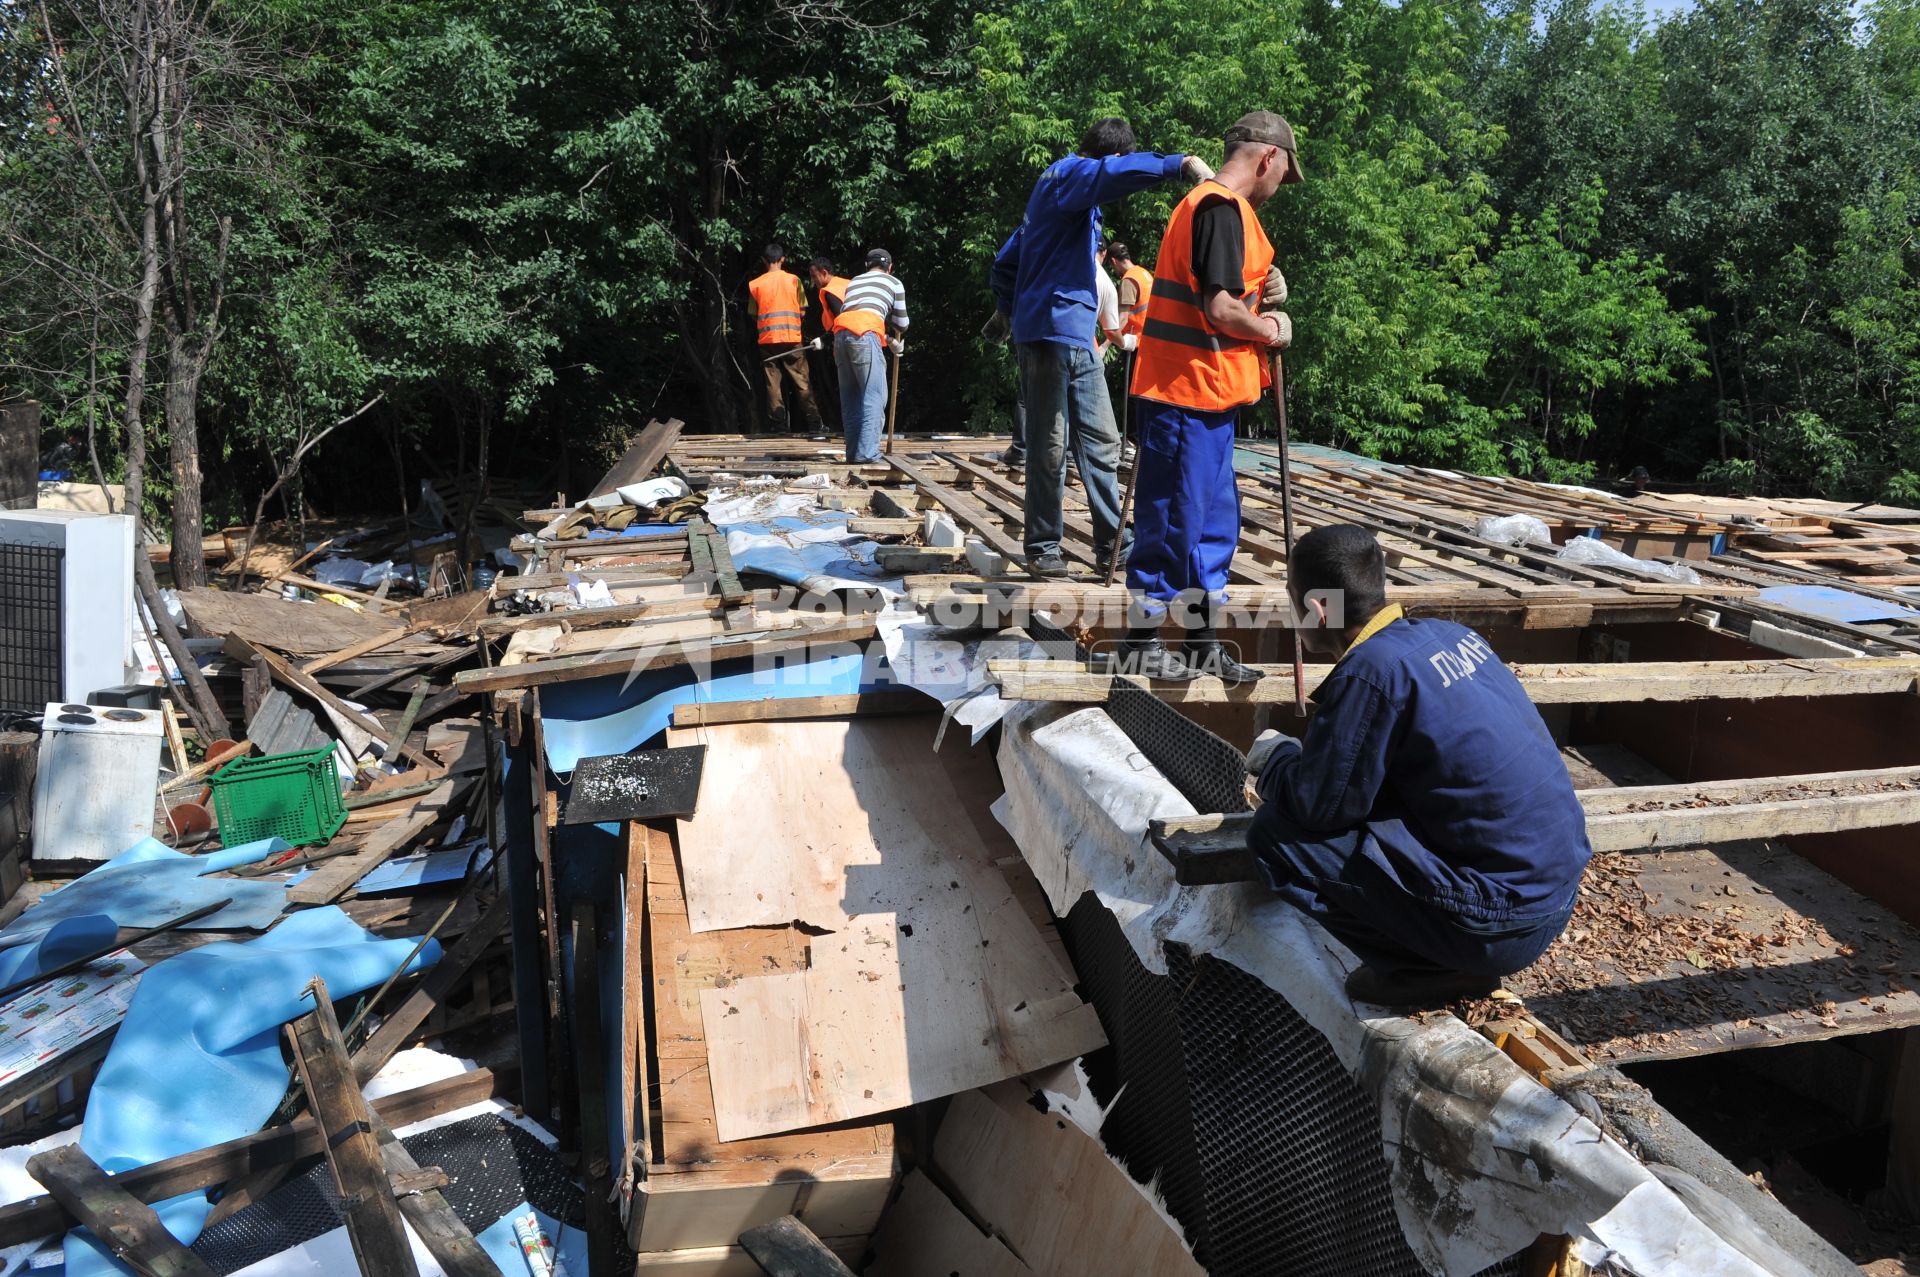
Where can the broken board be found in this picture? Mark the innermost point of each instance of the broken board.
(933, 980)
(1052, 1201)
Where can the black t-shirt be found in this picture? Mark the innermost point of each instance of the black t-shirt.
(1219, 247)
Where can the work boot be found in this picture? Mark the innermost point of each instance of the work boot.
(1049, 566)
(1103, 554)
(1142, 654)
(1208, 655)
(1012, 459)
(1408, 989)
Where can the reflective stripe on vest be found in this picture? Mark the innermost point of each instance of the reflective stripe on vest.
(1182, 359)
(1136, 315)
(778, 305)
(836, 289)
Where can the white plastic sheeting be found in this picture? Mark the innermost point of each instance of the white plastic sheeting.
(952, 668)
(791, 537)
(1481, 1158)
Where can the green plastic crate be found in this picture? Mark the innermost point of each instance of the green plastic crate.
(292, 796)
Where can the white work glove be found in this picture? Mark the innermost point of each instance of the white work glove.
(1262, 751)
(999, 329)
(1195, 170)
(1273, 293)
(1129, 341)
(813, 345)
(1284, 323)
(898, 346)
(1258, 757)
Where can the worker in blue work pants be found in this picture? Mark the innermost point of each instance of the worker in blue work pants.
(1211, 320)
(1425, 818)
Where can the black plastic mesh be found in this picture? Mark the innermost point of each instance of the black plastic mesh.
(492, 1166)
(1208, 771)
(1149, 1128)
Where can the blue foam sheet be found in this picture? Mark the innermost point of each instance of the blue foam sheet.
(604, 716)
(151, 883)
(198, 1060)
(1833, 604)
(66, 940)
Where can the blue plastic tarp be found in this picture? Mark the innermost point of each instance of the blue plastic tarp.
(151, 883)
(197, 1060)
(598, 716)
(1830, 603)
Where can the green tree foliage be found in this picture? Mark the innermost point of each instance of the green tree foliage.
(1558, 238)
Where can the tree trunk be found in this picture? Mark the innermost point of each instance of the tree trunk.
(186, 360)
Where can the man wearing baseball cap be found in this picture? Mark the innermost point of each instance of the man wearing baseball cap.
(1212, 317)
(875, 301)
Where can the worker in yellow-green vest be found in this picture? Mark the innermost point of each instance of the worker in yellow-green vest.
(778, 307)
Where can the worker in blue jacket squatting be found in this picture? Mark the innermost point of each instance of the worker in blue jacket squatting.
(1427, 819)
(1044, 285)
(1212, 319)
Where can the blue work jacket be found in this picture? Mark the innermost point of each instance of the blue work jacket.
(1043, 276)
(1422, 734)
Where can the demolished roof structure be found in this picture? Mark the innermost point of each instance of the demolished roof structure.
(771, 841)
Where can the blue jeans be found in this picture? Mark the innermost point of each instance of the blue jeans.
(862, 363)
(1066, 399)
(1326, 877)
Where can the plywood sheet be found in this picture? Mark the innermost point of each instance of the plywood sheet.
(1051, 1191)
(924, 1232)
(934, 978)
(820, 821)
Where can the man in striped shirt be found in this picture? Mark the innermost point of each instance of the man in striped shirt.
(876, 302)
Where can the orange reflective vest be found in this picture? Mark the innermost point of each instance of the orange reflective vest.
(1182, 359)
(832, 297)
(1134, 317)
(777, 306)
(860, 321)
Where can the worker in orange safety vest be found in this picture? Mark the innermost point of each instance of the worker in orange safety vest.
(1213, 318)
(779, 304)
(1136, 286)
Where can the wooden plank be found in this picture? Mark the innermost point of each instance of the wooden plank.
(595, 664)
(329, 884)
(35, 1217)
(450, 1242)
(1213, 848)
(129, 1227)
(642, 457)
(933, 979)
(1559, 684)
(788, 1248)
(788, 708)
(374, 1226)
(372, 643)
(963, 508)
